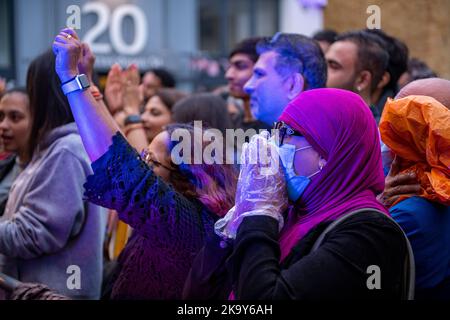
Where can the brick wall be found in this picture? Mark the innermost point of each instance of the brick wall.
(424, 25)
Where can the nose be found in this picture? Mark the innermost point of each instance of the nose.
(144, 117)
(249, 86)
(3, 124)
(229, 75)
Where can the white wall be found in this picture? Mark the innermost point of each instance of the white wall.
(296, 19)
(34, 31)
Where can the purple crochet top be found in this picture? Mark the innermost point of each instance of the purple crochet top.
(170, 228)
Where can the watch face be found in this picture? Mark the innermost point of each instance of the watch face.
(134, 118)
(83, 81)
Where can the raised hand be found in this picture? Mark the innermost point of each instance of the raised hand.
(87, 61)
(261, 188)
(262, 183)
(67, 48)
(114, 89)
(2, 86)
(132, 95)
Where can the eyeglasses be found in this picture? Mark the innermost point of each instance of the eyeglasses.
(152, 163)
(282, 129)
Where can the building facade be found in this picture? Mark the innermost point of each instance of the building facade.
(189, 37)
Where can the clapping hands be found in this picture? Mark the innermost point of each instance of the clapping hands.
(261, 188)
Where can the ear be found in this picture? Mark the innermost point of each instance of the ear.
(296, 85)
(322, 163)
(384, 80)
(363, 81)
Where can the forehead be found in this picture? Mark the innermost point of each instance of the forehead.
(159, 144)
(344, 52)
(267, 61)
(16, 100)
(154, 101)
(151, 77)
(240, 58)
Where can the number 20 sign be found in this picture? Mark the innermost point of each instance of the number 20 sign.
(112, 21)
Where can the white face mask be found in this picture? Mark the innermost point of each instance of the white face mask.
(296, 185)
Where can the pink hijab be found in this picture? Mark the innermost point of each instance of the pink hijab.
(339, 125)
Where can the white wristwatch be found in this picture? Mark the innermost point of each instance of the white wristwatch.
(80, 82)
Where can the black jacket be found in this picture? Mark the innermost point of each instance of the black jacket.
(338, 269)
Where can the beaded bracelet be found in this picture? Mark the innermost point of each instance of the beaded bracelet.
(96, 93)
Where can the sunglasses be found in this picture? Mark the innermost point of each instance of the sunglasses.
(283, 130)
(152, 163)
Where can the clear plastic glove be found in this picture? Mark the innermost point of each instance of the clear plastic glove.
(261, 188)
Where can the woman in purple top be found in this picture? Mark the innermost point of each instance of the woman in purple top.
(171, 207)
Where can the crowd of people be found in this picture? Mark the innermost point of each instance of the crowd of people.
(98, 202)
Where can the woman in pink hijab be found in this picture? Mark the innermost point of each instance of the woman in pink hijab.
(331, 167)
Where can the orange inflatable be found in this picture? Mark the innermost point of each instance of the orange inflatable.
(417, 129)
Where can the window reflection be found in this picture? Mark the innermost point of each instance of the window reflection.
(5, 41)
(223, 23)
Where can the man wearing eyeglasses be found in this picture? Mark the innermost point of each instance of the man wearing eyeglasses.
(288, 65)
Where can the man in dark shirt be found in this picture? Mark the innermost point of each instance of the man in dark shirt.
(242, 60)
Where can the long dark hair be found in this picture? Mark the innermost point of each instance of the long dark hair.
(207, 107)
(214, 185)
(169, 97)
(49, 107)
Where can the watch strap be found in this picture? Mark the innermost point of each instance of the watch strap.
(132, 119)
(80, 82)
